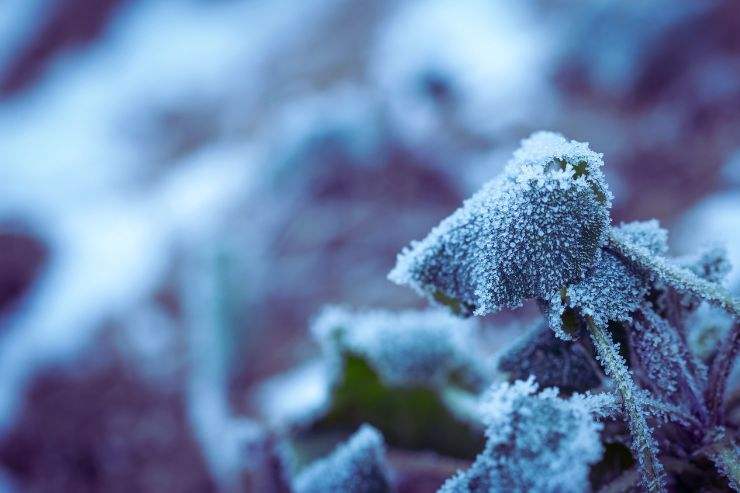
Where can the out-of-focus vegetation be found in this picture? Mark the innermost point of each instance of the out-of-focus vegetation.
(184, 185)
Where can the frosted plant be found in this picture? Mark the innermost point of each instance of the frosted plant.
(411, 374)
(357, 466)
(409, 348)
(542, 230)
(535, 442)
(536, 228)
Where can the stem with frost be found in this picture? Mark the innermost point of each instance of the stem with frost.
(643, 443)
(681, 279)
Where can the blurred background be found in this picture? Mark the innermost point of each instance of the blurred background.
(185, 183)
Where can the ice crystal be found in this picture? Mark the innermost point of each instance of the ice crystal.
(553, 362)
(408, 348)
(644, 445)
(356, 466)
(535, 442)
(536, 228)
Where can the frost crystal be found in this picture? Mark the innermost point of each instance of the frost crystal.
(553, 362)
(535, 442)
(357, 466)
(406, 348)
(536, 228)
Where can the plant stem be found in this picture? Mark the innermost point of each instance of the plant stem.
(719, 372)
(681, 279)
(643, 444)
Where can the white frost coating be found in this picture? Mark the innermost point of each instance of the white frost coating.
(406, 348)
(356, 466)
(526, 234)
(612, 291)
(648, 234)
(535, 442)
(672, 273)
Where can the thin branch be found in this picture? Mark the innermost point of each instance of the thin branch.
(643, 443)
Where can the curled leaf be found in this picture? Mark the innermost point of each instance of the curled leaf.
(537, 227)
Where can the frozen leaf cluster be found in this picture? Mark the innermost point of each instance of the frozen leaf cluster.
(356, 466)
(535, 442)
(409, 348)
(536, 228)
(552, 361)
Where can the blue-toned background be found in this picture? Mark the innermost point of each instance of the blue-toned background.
(185, 183)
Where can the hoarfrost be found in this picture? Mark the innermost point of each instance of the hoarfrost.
(406, 348)
(536, 228)
(356, 466)
(535, 442)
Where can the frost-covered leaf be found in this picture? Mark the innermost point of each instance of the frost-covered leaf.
(357, 466)
(552, 361)
(536, 228)
(535, 442)
(648, 234)
(395, 370)
(427, 348)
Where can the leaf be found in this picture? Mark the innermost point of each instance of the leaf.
(394, 370)
(536, 228)
(535, 442)
(426, 348)
(357, 466)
